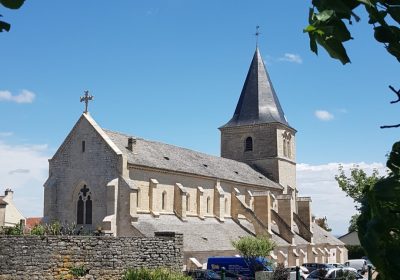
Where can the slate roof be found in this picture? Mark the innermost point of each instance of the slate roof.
(198, 235)
(168, 157)
(210, 234)
(258, 102)
(323, 236)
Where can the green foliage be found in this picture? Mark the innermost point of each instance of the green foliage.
(250, 248)
(10, 4)
(353, 223)
(323, 222)
(355, 251)
(379, 222)
(78, 271)
(154, 274)
(15, 230)
(327, 25)
(253, 247)
(38, 229)
(358, 181)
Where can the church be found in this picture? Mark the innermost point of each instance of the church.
(129, 186)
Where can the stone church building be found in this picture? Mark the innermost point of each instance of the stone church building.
(131, 186)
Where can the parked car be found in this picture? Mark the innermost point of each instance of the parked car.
(203, 274)
(303, 271)
(359, 264)
(339, 265)
(334, 273)
(237, 265)
(313, 266)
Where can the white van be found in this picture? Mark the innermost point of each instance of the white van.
(359, 264)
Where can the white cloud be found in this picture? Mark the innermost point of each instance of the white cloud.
(318, 181)
(25, 96)
(6, 134)
(290, 57)
(323, 115)
(24, 168)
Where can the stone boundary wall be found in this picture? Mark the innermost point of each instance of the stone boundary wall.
(52, 257)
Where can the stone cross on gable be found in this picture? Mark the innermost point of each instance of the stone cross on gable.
(86, 98)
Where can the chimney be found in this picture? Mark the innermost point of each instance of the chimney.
(9, 193)
(131, 142)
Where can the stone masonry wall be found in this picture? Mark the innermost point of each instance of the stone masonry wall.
(52, 257)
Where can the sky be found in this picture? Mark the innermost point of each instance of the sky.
(172, 71)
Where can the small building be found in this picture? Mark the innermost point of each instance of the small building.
(9, 214)
(351, 238)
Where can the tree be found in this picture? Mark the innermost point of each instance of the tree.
(327, 25)
(323, 222)
(251, 248)
(10, 4)
(379, 222)
(353, 223)
(354, 186)
(356, 183)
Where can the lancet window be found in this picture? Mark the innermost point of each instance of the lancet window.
(84, 207)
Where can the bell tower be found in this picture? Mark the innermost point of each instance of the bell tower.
(258, 133)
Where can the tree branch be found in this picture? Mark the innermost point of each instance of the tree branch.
(390, 126)
(397, 92)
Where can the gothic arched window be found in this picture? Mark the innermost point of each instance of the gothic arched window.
(88, 209)
(79, 211)
(84, 207)
(164, 200)
(248, 144)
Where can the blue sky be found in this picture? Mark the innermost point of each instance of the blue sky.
(172, 70)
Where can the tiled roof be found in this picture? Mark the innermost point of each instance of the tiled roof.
(168, 157)
(198, 235)
(31, 222)
(323, 236)
(258, 102)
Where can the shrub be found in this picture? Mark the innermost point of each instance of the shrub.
(78, 271)
(15, 230)
(154, 274)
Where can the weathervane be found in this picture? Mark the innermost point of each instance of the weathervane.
(86, 98)
(257, 33)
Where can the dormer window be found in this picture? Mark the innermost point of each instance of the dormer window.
(248, 144)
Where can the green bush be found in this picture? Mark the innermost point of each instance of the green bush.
(78, 271)
(355, 252)
(154, 274)
(15, 230)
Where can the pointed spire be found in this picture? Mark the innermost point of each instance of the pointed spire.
(258, 102)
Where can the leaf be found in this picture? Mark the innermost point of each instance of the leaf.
(366, 2)
(385, 34)
(325, 15)
(394, 49)
(12, 4)
(4, 26)
(313, 43)
(394, 12)
(335, 49)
